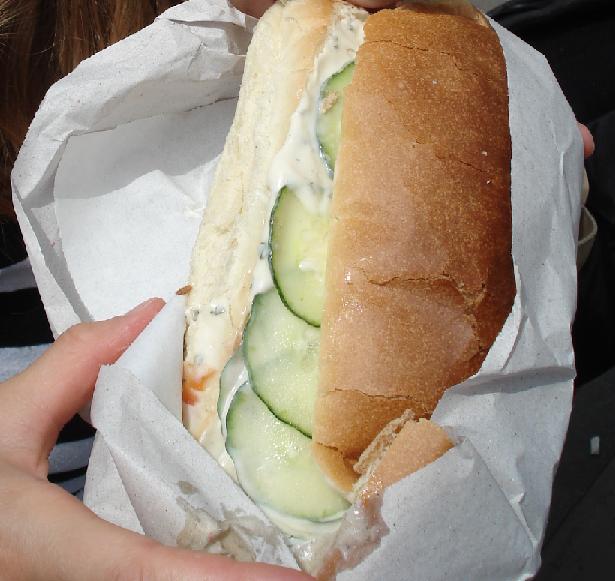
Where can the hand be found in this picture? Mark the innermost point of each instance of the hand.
(257, 8)
(588, 140)
(45, 532)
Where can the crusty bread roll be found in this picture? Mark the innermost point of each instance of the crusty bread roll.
(415, 445)
(419, 274)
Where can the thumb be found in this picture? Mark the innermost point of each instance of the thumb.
(48, 534)
(37, 403)
(175, 565)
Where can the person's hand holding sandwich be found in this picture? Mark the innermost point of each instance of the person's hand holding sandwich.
(48, 534)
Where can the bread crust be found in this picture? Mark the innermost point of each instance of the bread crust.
(419, 276)
(415, 446)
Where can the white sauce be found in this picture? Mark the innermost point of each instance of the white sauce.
(299, 163)
(301, 528)
(210, 334)
(262, 280)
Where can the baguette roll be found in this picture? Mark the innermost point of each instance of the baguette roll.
(413, 212)
(419, 270)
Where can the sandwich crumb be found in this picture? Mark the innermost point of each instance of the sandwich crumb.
(329, 101)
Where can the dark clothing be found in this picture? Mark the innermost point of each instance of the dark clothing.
(24, 334)
(578, 39)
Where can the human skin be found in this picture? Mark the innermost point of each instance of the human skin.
(46, 534)
(257, 7)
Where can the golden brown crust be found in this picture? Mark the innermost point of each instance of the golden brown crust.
(378, 446)
(338, 469)
(352, 419)
(417, 445)
(419, 275)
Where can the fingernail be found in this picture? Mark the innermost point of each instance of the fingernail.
(145, 305)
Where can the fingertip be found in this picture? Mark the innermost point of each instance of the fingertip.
(589, 145)
(153, 305)
(137, 318)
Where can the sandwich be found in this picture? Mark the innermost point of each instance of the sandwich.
(354, 260)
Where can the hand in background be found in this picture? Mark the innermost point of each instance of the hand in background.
(45, 532)
(257, 8)
(588, 141)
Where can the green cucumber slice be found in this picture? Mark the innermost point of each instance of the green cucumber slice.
(328, 125)
(274, 463)
(298, 241)
(233, 375)
(281, 354)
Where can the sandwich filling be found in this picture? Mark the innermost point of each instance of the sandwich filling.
(262, 436)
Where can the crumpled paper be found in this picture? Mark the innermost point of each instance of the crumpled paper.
(109, 188)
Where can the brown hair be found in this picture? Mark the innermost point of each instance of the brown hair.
(42, 41)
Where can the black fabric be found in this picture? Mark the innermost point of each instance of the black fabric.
(594, 327)
(23, 320)
(578, 39)
(580, 539)
(12, 247)
(76, 429)
(68, 475)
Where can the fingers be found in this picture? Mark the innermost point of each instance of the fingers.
(254, 8)
(47, 534)
(194, 565)
(257, 8)
(588, 140)
(373, 4)
(37, 403)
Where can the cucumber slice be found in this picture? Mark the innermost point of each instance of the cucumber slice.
(298, 244)
(281, 354)
(233, 375)
(274, 463)
(328, 125)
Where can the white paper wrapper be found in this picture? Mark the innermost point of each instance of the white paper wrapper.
(109, 188)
